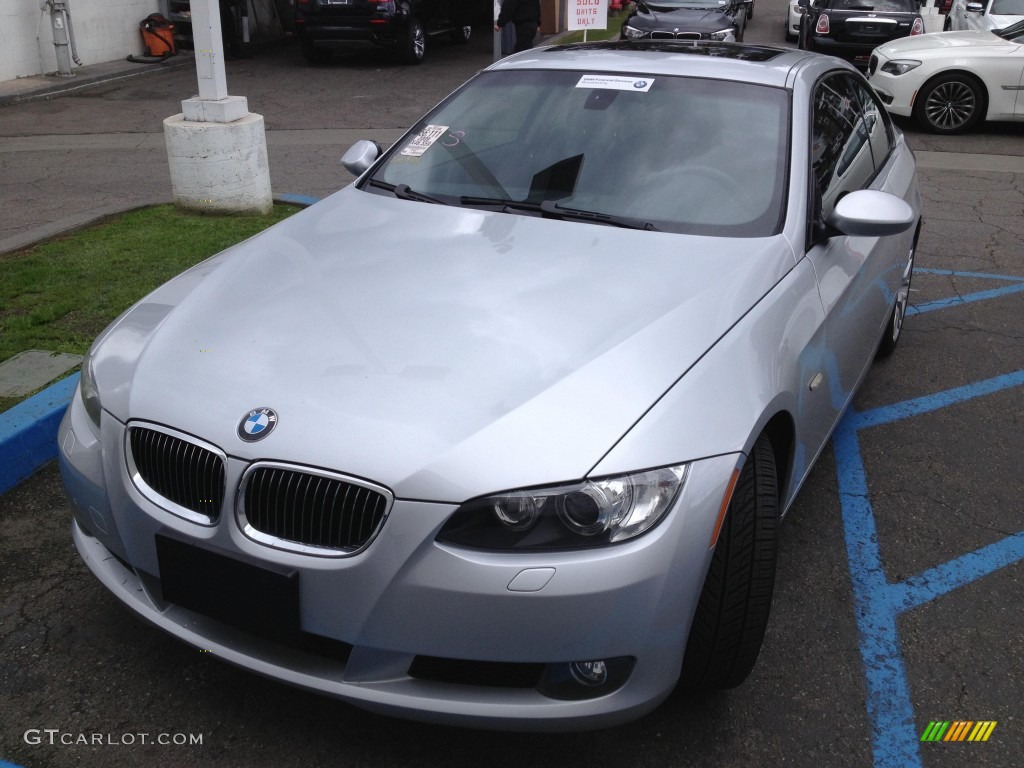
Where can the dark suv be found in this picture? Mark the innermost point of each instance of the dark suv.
(851, 29)
(402, 26)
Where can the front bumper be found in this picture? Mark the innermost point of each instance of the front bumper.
(896, 91)
(352, 35)
(406, 598)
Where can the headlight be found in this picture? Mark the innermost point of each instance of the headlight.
(726, 35)
(90, 393)
(900, 66)
(632, 33)
(590, 513)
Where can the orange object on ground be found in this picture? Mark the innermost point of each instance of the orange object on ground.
(157, 35)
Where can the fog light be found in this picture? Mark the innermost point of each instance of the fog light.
(579, 680)
(589, 672)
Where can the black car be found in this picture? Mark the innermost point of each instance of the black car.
(402, 26)
(722, 20)
(851, 29)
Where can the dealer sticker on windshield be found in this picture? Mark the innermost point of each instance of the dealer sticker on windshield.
(424, 140)
(613, 83)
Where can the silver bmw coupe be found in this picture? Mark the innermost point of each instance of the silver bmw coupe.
(501, 433)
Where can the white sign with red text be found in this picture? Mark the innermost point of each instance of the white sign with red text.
(587, 14)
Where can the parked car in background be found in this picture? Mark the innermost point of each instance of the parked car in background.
(720, 20)
(400, 26)
(851, 29)
(501, 434)
(950, 81)
(987, 15)
(792, 22)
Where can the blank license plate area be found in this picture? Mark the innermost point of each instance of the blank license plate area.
(247, 596)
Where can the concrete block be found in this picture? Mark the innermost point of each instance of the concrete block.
(226, 110)
(219, 167)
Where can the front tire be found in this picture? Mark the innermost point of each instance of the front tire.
(950, 103)
(461, 35)
(415, 46)
(732, 613)
(894, 327)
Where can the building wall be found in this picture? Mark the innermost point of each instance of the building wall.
(105, 30)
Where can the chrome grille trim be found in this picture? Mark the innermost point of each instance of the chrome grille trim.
(308, 510)
(176, 471)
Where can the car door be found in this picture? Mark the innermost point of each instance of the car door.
(857, 276)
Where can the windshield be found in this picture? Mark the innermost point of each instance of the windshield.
(879, 6)
(1007, 7)
(663, 153)
(671, 5)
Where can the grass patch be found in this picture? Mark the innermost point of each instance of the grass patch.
(597, 35)
(59, 295)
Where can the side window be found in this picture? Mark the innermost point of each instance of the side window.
(841, 156)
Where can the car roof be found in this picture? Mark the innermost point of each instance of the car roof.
(761, 64)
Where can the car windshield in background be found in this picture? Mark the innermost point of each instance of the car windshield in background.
(655, 152)
(671, 5)
(1007, 8)
(879, 6)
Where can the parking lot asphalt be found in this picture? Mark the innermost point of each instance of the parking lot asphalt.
(899, 600)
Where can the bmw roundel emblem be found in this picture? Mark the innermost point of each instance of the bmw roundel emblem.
(257, 424)
(640, 84)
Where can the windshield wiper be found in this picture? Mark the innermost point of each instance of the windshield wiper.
(551, 209)
(403, 192)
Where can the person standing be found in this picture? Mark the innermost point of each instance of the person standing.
(524, 15)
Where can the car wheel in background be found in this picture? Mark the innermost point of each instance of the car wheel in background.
(732, 613)
(461, 35)
(894, 328)
(314, 55)
(950, 103)
(415, 42)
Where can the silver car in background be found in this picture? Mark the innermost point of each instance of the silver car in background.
(501, 433)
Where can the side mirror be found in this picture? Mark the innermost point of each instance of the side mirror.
(360, 156)
(870, 213)
(803, 3)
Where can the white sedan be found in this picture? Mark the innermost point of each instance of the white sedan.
(949, 81)
(990, 14)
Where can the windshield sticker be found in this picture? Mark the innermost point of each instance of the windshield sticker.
(610, 82)
(424, 141)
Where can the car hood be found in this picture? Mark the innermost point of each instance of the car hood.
(442, 352)
(945, 43)
(685, 19)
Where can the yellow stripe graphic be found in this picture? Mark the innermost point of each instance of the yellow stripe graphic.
(988, 731)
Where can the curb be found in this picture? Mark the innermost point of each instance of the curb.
(47, 86)
(28, 432)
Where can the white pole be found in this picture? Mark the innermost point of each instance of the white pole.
(209, 49)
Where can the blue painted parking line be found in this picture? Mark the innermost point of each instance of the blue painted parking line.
(1017, 286)
(879, 602)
